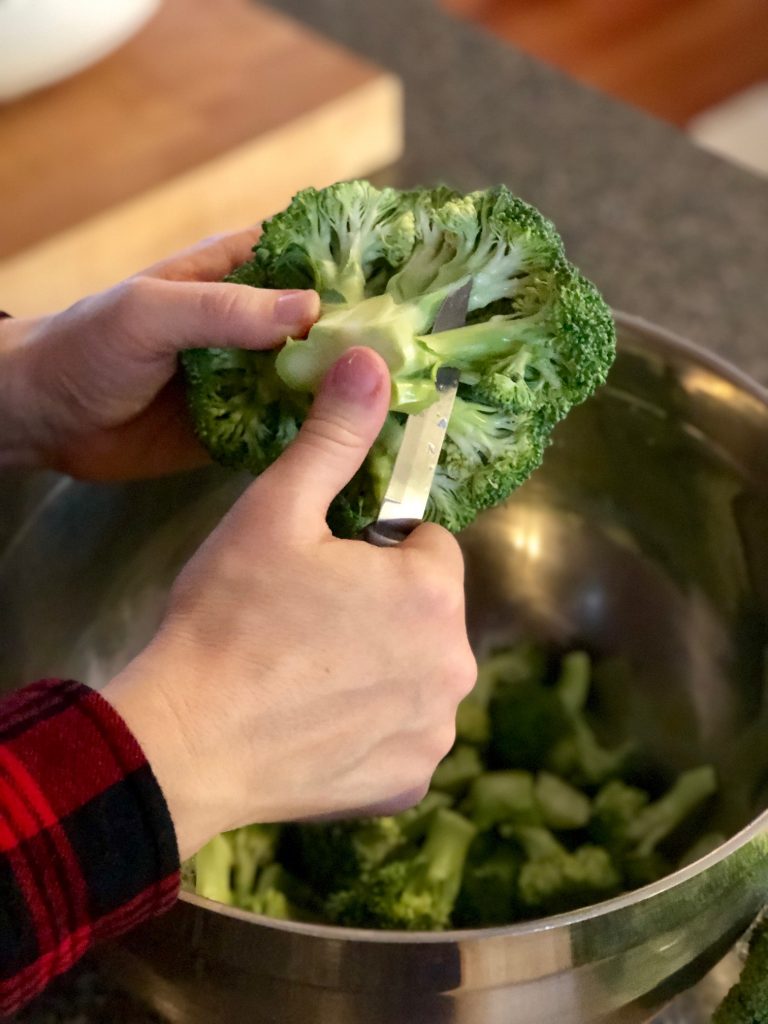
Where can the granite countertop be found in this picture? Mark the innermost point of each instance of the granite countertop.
(667, 231)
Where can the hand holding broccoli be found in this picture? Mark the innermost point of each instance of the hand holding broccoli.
(295, 674)
(92, 391)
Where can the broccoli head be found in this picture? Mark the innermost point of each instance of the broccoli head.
(538, 338)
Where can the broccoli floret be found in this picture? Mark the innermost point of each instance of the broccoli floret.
(614, 808)
(527, 720)
(488, 894)
(522, 663)
(329, 855)
(497, 797)
(271, 895)
(554, 879)
(747, 1001)
(253, 847)
(538, 340)
(562, 806)
(658, 820)
(213, 869)
(414, 822)
(632, 827)
(457, 769)
(417, 893)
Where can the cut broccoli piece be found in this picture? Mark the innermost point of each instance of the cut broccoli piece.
(747, 1001)
(614, 808)
(414, 822)
(522, 663)
(658, 820)
(554, 879)
(497, 797)
(631, 827)
(527, 720)
(574, 682)
(327, 856)
(539, 338)
(701, 847)
(415, 894)
(488, 894)
(253, 846)
(562, 806)
(457, 770)
(213, 869)
(270, 895)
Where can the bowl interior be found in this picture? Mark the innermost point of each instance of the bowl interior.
(643, 537)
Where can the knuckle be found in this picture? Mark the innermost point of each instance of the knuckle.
(131, 296)
(461, 674)
(219, 303)
(324, 432)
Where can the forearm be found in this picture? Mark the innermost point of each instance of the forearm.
(87, 847)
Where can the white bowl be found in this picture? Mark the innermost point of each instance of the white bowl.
(43, 41)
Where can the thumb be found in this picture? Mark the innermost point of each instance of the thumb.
(343, 423)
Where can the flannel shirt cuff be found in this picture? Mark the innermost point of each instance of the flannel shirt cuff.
(87, 845)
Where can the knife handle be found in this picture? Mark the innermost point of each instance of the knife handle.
(388, 533)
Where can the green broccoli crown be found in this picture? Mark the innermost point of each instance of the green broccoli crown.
(538, 340)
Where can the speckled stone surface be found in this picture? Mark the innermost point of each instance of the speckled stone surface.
(667, 231)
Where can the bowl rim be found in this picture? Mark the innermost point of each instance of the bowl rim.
(664, 342)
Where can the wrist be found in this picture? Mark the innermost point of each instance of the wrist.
(139, 694)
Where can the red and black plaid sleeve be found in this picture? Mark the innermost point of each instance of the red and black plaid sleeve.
(87, 845)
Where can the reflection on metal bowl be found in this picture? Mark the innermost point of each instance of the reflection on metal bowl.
(643, 537)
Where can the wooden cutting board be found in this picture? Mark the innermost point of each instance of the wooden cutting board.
(210, 119)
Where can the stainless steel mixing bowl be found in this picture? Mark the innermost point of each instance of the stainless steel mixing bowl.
(644, 537)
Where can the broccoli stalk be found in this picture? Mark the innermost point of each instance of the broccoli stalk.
(213, 869)
(562, 806)
(632, 827)
(253, 846)
(538, 339)
(497, 797)
(658, 820)
(457, 769)
(416, 893)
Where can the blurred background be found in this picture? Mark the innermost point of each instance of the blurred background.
(699, 64)
(159, 122)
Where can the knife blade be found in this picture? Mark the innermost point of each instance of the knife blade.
(405, 499)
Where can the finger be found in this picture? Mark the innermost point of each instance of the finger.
(174, 315)
(437, 544)
(344, 421)
(209, 260)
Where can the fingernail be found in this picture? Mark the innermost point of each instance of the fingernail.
(296, 307)
(356, 376)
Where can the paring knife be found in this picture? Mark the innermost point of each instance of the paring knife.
(406, 496)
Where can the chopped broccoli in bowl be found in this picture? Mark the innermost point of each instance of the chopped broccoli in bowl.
(538, 340)
(493, 841)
